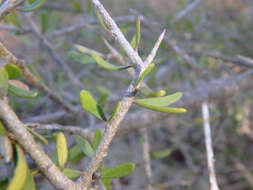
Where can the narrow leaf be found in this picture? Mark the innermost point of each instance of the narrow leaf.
(28, 7)
(13, 71)
(160, 101)
(71, 173)
(21, 92)
(90, 105)
(106, 65)
(29, 182)
(115, 111)
(85, 146)
(138, 33)
(101, 22)
(12, 18)
(160, 154)
(44, 22)
(145, 73)
(75, 154)
(97, 138)
(107, 183)
(163, 109)
(20, 172)
(3, 82)
(62, 149)
(38, 136)
(118, 171)
(2, 129)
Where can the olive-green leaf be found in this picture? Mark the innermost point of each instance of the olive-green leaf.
(29, 182)
(97, 138)
(160, 101)
(75, 154)
(71, 173)
(2, 129)
(163, 109)
(12, 18)
(118, 171)
(44, 22)
(157, 93)
(137, 37)
(115, 111)
(13, 71)
(160, 154)
(90, 105)
(100, 20)
(62, 149)
(22, 93)
(85, 146)
(145, 73)
(20, 172)
(38, 136)
(106, 65)
(28, 7)
(76, 5)
(3, 82)
(107, 183)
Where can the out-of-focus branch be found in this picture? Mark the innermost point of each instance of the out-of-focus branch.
(24, 138)
(239, 60)
(185, 11)
(10, 58)
(244, 171)
(209, 148)
(84, 132)
(146, 158)
(72, 77)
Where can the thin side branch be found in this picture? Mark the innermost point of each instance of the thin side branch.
(209, 149)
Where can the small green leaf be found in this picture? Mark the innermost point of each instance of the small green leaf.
(163, 109)
(160, 101)
(76, 5)
(100, 20)
(90, 105)
(118, 171)
(102, 99)
(75, 154)
(106, 65)
(160, 154)
(133, 42)
(21, 92)
(115, 111)
(97, 138)
(145, 73)
(2, 129)
(28, 7)
(13, 71)
(38, 136)
(71, 173)
(3, 82)
(62, 149)
(44, 22)
(29, 182)
(137, 36)
(85, 146)
(20, 172)
(107, 183)
(81, 58)
(158, 93)
(12, 18)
